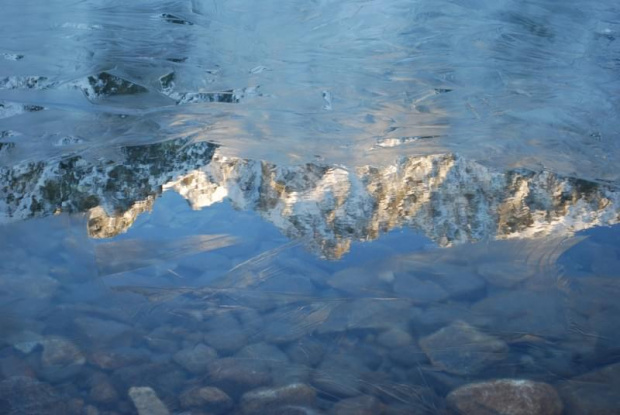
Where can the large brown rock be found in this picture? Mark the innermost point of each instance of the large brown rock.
(506, 397)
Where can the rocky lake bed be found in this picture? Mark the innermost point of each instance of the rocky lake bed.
(299, 338)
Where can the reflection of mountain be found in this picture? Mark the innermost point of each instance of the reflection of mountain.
(115, 193)
(446, 197)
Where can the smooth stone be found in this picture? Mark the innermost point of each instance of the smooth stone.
(163, 339)
(506, 397)
(366, 314)
(596, 299)
(369, 356)
(440, 382)
(102, 391)
(146, 401)
(295, 265)
(593, 393)
(290, 284)
(594, 296)
(418, 290)
(504, 274)
(58, 351)
(251, 321)
(434, 317)
(205, 262)
(542, 313)
(408, 356)
(394, 338)
(221, 321)
(358, 280)
(359, 405)
(286, 373)
(236, 376)
(116, 359)
(460, 284)
(165, 376)
(226, 341)
(104, 331)
(212, 400)
(265, 400)
(291, 323)
(195, 359)
(336, 382)
(267, 353)
(307, 351)
(279, 330)
(462, 349)
(340, 375)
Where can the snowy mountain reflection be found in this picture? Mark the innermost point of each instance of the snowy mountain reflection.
(446, 197)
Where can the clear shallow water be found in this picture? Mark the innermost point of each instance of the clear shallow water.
(364, 207)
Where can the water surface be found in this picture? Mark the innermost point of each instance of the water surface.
(335, 207)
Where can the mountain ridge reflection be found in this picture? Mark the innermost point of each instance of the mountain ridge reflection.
(447, 197)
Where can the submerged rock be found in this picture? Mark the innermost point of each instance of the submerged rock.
(213, 400)
(506, 397)
(342, 374)
(504, 274)
(408, 356)
(272, 356)
(462, 349)
(358, 281)
(195, 359)
(366, 314)
(542, 313)
(226, 340)
(103, 331)
(593, 393)
(266, 400)
(394, 338)
(360, 405)
(146, 401)
(162, 375)
(460, 283)
(336, 382)
(58, 351)
(307, 351)
(102, 391)
(61, 359)
(286, 374)
(236, 376)
(418, 290)
(116, 359)
(23, 395)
